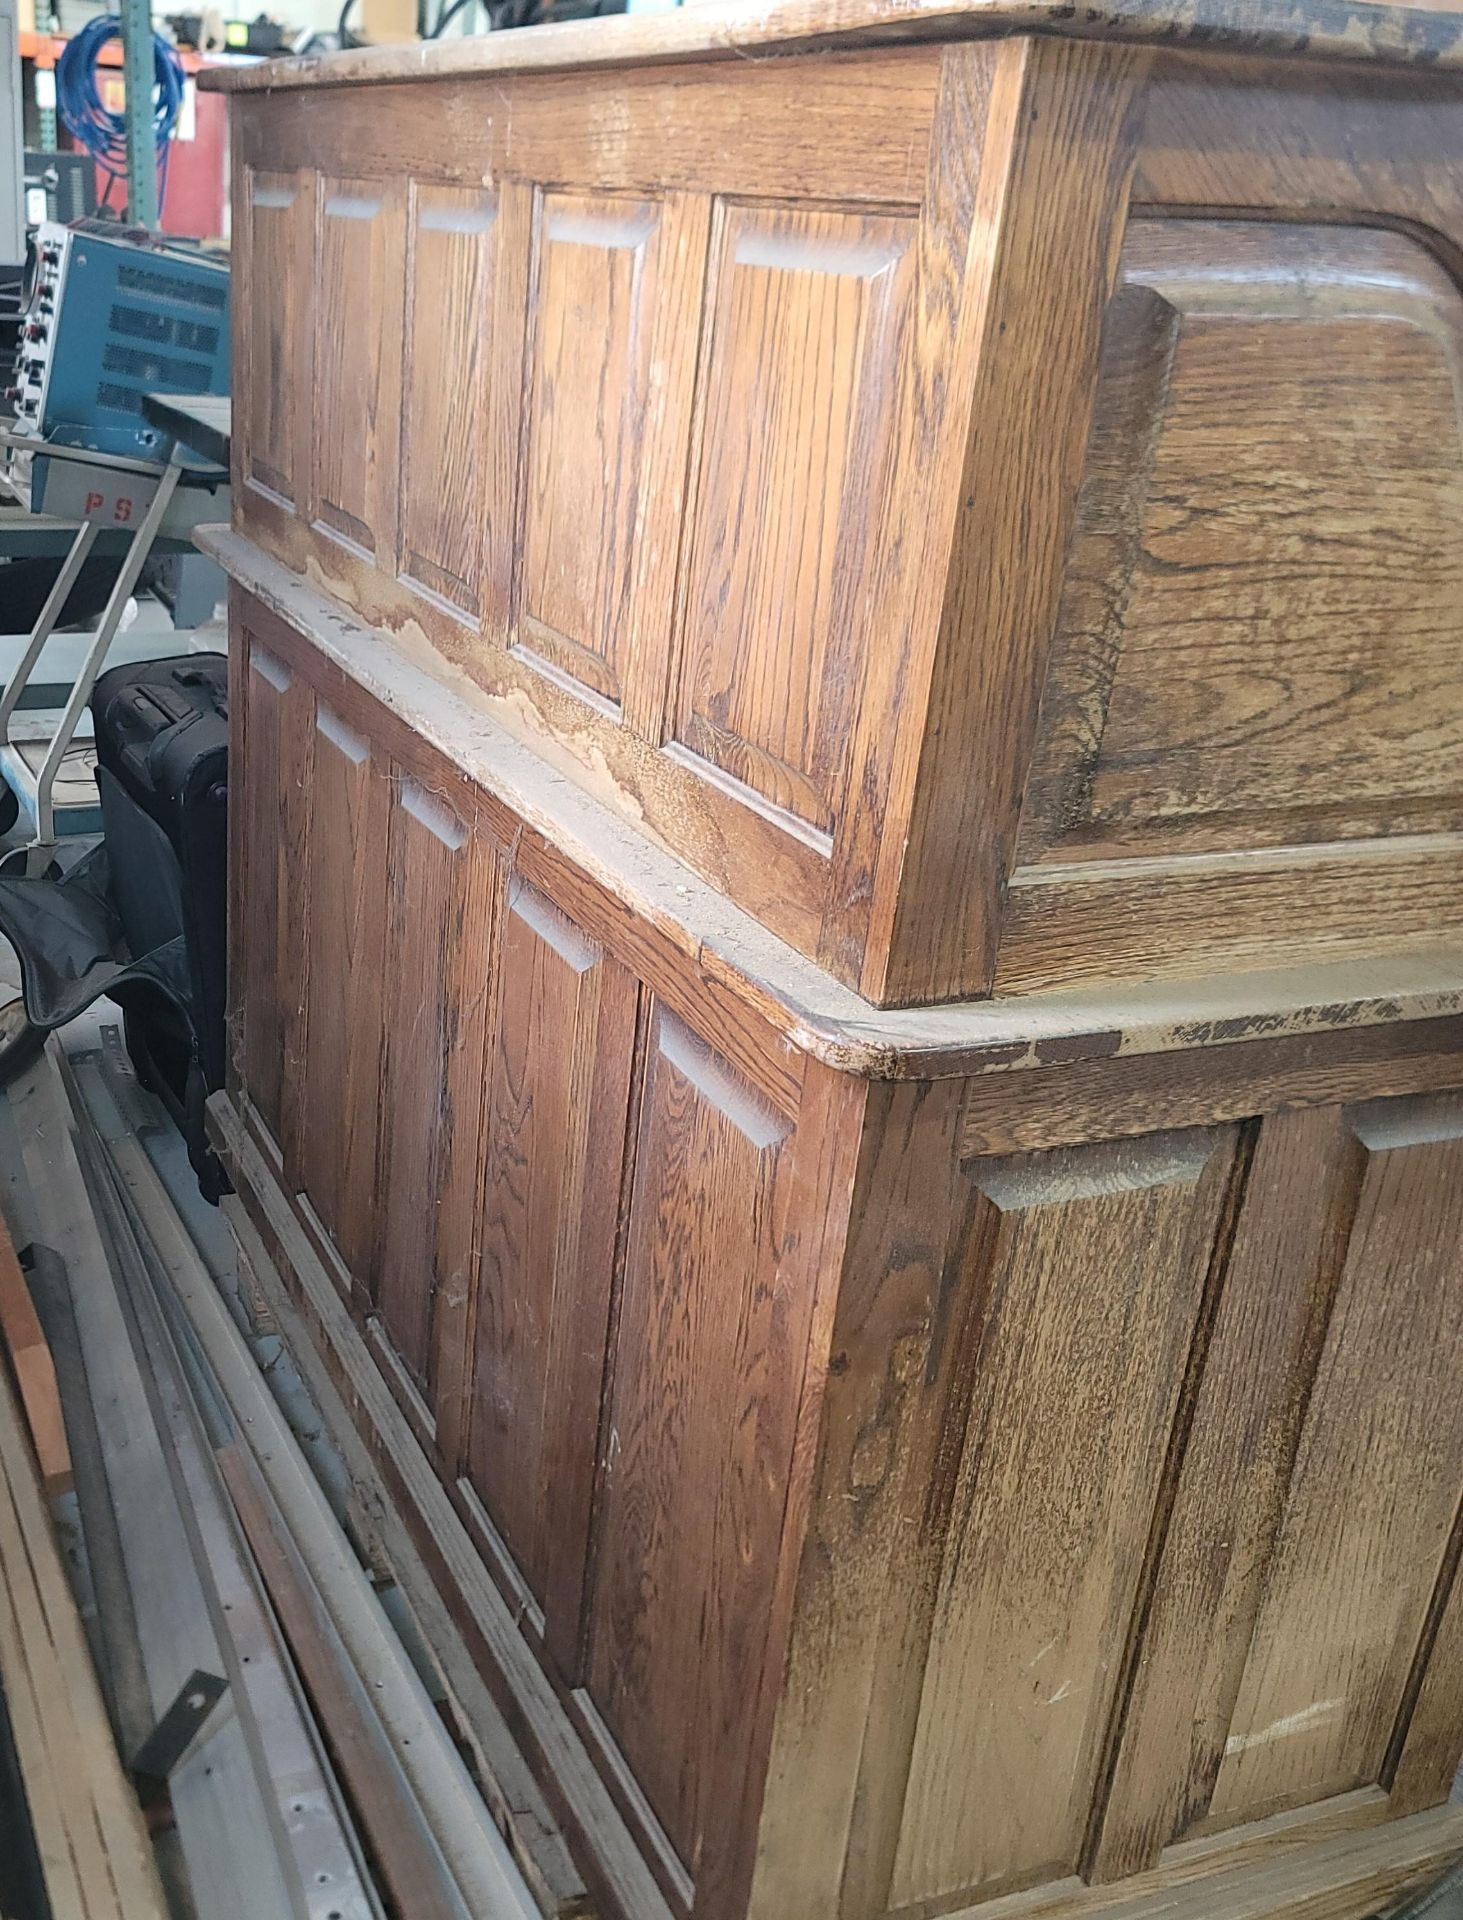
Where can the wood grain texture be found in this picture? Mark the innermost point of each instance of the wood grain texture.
(356, 403)
(881, 1488)
(612, 334)
(1374, 1490)
(33, 1370)
(1042, 1557)
(450, 262)
(346, 897)
(1424, 34)
(808, 321)
(1068, 131)
(1231, 672)
(698, 1431)
(768, 616)
(443, 888)
(273, 934)
(275, 231)
(1282, 1270)
(1428, 1743)
(649, 905)
(555, 1138)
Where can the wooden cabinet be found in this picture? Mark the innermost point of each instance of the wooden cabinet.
(847, 1002)
(1043, 1469)
(989, 508)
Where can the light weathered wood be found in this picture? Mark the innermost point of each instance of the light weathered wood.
(1374, 1490)
(1042, 1559)
(451, 238)
(34, 1371)
(94, 1848)
(343, 1029)
(355, 299)
(1423, 33)
(1231, 1486)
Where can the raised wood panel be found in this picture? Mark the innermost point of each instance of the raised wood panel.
(809, 329)
(1263, 626)
(554, 1149)
(699, 1433)
(451, 235)
(277, 210)
(443, 879)
(356, 404)
(612, 337)
(346, 897)
(273, 940)
(1215, 1548)
(1375, 1489)
(1091, 1264)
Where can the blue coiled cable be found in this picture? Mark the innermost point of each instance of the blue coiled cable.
(95, 127)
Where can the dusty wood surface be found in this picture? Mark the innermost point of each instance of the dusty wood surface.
(766, 976)
(1348, 30)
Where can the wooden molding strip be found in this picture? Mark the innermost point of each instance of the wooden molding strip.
(1334, 29)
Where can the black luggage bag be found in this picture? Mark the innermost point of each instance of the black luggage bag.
(161, 729)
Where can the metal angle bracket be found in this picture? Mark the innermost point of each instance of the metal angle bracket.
(171, 1738)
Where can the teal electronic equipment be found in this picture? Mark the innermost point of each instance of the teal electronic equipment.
(113, 313)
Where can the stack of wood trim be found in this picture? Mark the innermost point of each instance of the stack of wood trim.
(34, 1370)
(89, 1832)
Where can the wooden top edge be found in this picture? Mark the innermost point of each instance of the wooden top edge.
(815, 1012)
(1424, 34)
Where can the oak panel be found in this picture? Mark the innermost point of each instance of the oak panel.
(442, 887)
(277, 209)
(698, 1433)
(555, 1138)
(451, 244)
(605, 437)
(809, 323)
(360, 277)
(1374, 1492)
(1092, 1265)
(273, 943)
(1280, 1279)
(347, 903)
(1261, 633)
